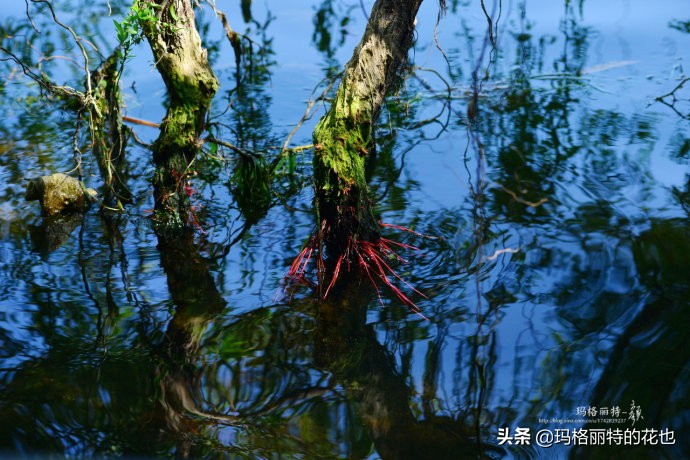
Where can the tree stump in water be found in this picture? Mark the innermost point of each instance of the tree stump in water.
(59, 193)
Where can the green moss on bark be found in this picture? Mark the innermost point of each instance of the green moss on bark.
(344, 136)
(191, 86)
(342, 140)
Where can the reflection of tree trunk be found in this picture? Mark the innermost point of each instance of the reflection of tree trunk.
(191, 85)
(344, 136)
(347, 347)
(650, 361)
(197, 302)
(192, 288)
(135, 401)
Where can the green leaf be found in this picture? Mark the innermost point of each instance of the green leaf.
(121, 34)
(173, 15)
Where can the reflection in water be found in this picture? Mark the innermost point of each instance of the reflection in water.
(650, 361)
(54, 231)
(348, 348)
(178, 373)
(134, 398)
(331, 21)
(554, 260)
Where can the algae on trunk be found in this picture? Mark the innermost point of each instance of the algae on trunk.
(344, 136)
(191, 85)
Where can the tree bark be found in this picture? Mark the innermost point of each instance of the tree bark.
(344, 136)
(191, 85)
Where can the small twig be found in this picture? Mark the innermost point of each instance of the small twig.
(234, 148)
(492, 39)
(296, 149)
(31, 20)
(441, 13)
(77, 40)
(308, 111)
(139, 121)
(672, 94)
(498, 252)
(364, 9)
(75, 145)
(522, 200)
(136, 138)
(233, 36)
(673, 91)
(445, 106)
(43, 82)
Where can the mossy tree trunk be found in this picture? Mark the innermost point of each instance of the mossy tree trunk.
(191, 85)
(344, 136)
(109, 135)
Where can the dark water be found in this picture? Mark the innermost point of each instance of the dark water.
(551, 188)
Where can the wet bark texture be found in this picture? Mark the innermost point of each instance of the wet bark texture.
(344, 136)
(191, 85)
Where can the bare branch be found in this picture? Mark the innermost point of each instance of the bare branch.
(233, 36)
(234, 148)
(77, 40)
(28, 15)
(674, 99)
(43, 82)
(308, 111)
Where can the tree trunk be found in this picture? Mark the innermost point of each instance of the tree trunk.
(191, 85)
(344, 136)
(109, 135)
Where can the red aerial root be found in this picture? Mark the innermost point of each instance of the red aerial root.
(372, 258)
